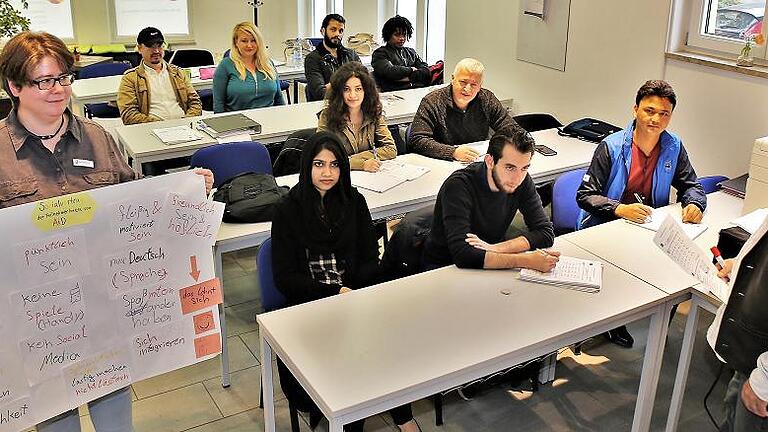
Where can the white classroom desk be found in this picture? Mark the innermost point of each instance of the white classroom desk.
(277, 123)
(639, 256)
(368, 351)
(571, 153)
(104, 89)
(291, 73)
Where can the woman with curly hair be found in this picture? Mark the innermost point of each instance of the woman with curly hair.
(353, 112)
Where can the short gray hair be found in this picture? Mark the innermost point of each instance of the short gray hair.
(470, 65)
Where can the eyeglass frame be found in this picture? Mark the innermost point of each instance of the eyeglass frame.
(53, 81)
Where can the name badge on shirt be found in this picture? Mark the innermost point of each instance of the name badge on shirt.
(82, 163)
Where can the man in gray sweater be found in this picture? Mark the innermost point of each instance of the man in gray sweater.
(460, 113)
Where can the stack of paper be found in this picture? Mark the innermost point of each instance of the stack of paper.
(572, 273)
(176, 134)
(659, 214)
(391, 174)
(671, 239)
(751, 221)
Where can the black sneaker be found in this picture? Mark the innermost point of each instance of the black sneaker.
(620, 336)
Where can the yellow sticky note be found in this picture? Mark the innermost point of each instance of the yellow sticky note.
(63, 211)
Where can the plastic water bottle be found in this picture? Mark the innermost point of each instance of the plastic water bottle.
(296, 58)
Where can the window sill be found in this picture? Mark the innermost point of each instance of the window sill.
(721, 63)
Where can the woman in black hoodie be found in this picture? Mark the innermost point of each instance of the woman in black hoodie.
(323, 244)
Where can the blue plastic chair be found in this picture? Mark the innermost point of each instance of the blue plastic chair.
(102, 110)
(271, 299)
(231, 159)
(712, 183)
(565, 211)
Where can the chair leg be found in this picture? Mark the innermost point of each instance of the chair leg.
(288, 95)
(294, 414)
(261, 398)
(438, 401)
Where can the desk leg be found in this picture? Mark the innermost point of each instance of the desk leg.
(217, 266)
(336, 425)
(686, 351)
(266, 386)
(136, 165)
(654, 352)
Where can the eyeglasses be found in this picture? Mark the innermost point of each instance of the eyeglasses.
(48, 83)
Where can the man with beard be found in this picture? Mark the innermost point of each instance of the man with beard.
(321, 63)
(155, 90)
(476, 205)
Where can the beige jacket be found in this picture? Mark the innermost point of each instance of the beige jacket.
(133, 96)
(372, 132)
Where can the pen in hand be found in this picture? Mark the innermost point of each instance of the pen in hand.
(375, 152)
(639, 198)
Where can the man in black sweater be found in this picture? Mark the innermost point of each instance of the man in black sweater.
(476, 205)
(321, 63)
(460, 113)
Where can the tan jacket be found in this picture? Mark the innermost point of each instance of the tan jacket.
(372, 132)
(133, 96)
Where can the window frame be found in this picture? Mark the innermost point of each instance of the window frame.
(170, 38)
(67, 40)
(330, 7)
(696, 41)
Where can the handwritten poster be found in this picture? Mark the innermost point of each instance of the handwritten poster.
(104, 288)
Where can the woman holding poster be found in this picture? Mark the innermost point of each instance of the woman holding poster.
(47, 151)
(323, 244)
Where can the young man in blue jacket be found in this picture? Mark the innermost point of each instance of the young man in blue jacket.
(632, 171)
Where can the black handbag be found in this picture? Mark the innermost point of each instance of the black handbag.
(589, 129)
(249, 197)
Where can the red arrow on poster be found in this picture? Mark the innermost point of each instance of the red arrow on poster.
(195, 273)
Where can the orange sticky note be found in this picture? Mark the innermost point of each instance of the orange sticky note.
(208, 345)
(204, 322)
(200, 296)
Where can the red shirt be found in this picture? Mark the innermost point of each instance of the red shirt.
(641, 175)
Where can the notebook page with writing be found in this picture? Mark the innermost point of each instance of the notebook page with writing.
(674, 241)
(573, 273)
(659, 214)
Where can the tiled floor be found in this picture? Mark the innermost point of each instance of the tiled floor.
(594, 391)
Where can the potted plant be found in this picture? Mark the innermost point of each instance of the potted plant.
(11, 20)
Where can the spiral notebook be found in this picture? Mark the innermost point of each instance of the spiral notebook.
(572, 273)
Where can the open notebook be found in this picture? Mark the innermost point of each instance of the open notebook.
(572, 273)
(658, 216)
(391, 174)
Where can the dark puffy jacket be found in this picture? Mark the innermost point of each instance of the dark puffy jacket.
(392, 64)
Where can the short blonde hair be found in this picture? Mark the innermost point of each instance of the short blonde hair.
(262, 60)
(471, 66)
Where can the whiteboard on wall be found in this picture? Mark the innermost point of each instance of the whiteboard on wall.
(52, 16)
(543, 40)
(170, 16)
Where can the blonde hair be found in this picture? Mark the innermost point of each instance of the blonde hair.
(263, 63)
(471, 66)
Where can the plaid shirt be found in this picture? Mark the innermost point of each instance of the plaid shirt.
(325, 268)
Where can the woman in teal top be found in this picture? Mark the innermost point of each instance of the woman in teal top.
(247, 78)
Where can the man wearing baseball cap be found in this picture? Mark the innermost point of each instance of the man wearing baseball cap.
(155, 90)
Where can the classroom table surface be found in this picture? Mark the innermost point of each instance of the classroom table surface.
(376, 348)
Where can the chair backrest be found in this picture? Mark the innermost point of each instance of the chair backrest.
(315, 41)
(271, 298)
(103, 69)
(185, 58)
(712, 183)
(289, 159)
(537, 121)
(565, 211)
(226, 53)
(230, 159)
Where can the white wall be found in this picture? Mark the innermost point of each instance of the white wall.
(613, 47)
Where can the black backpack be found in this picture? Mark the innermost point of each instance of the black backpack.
(402, 256)
(589, 129)
(249, 197)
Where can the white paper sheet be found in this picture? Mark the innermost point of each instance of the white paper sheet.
(674, 241)
(660, 214)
